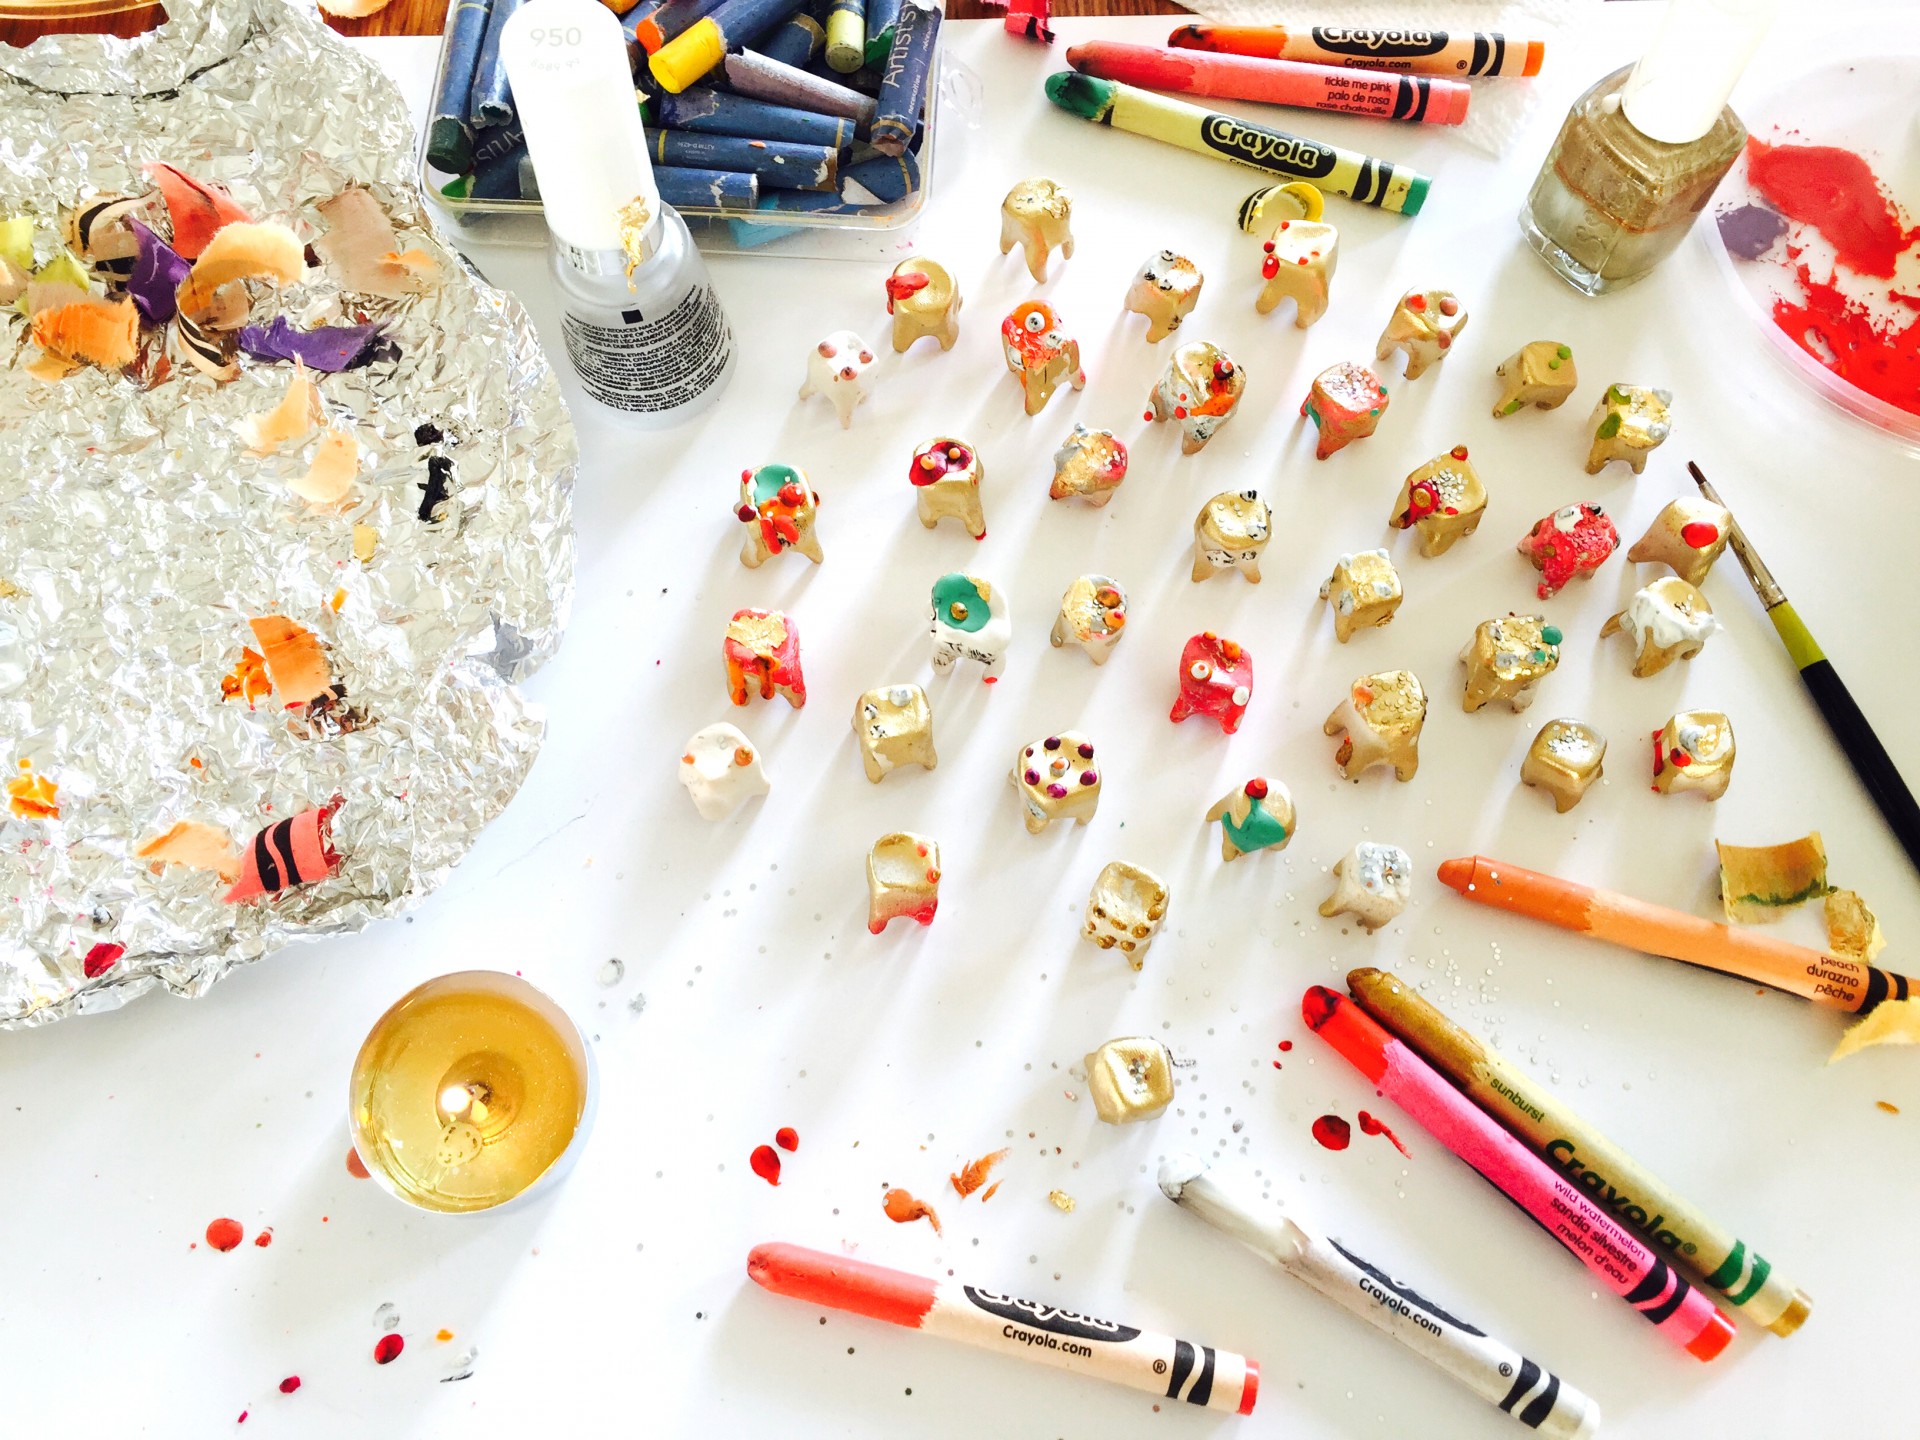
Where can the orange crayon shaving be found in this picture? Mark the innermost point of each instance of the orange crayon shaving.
(33, 796)
(903, 1208)
(974, 1174)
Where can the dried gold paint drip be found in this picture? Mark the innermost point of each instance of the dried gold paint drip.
(635, 217)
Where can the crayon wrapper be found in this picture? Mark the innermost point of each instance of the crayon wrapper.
(1175, 1369)
(903, 85)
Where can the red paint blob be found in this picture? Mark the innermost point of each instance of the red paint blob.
(264, 1238)
(1371, 1125)
(1286, 1044)
(765, 1161)
(1699, 534)
(356, 1167)
(243, 1414)
(387, 1349)
(1333, 1132)
(787, 1138)
(224, 1234)
(1840, 333)
(290, 1384)
(101, 958)
(1837, 193)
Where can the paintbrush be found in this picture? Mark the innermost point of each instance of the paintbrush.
(1858, 743)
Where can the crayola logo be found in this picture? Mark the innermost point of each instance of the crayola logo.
(1562, 1155)
(1390, 43)
(1266, 148)
(1045, 1317)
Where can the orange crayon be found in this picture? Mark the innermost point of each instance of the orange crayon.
(1833, 980)
(1413, 50)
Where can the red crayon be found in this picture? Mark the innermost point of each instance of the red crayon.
(1561, 1208)
(1174, 1369)
(1276, 82)
(1411, 51)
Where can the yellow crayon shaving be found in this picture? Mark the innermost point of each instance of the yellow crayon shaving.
(196, 846)
(1062, 1201)
(365, 537)
(16, 241)
(33, 797)
(288, 423)
(1852, 929)
(1760, 883)
(1892, 1022)
(242, 250)
(330, 476)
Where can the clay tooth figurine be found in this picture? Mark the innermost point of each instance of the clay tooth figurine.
(894, 727)
(1130, 1079)
(903, 880)
(969, 618)
(1229, 533)
(779, 508)
(1037, 215)
(1057, 780)
(1165, 290)
(763, 646)
(1667, 620)
(1216, 679)
(1039, 353)
(1423, 327)
(1363, 592)
(1628, 425)
(1563, 760)
(721, 771)
(1508, 657)
(1441, 502)
(1687, 536)
(1345, 405)
(1693, 753)
(1093, 615)
(1298, 265)
(837, 368)
(946, 475)
(1371, 883)
(1570, 544)
(1199, 389)
(1124, 910)
(1381, 719)
(1091, 464)
(1539, 374)
(1255, 816)
(923, 301)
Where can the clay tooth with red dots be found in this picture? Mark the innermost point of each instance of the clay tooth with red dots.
(1423, 327)
(1298, 265)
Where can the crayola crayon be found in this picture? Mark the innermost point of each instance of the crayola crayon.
(720, 112)
(1047, 1334)
(779, 165)
(491, 101)
(847, 35)
(903, 86)
(682, 187)
(1414, 50)
(449, 133)
(1235, 1205)
(1227, 137)
(1670, 1225)
(1612, 1254)
(881, 17)
(795, 41)
(702, 45)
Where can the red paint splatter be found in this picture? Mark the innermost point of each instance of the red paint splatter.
(787, 1138)
(264, 1238)
(765, 1161)
(224, 1234)
(387, 1349)
(356, 1167)
(290, 1384)
(1844, 337)
(1333, 1132)
(243, 1418)
(1286, 1044)
(1371, 1125)
(101, 958)
(1837, 193)
(903, 1208)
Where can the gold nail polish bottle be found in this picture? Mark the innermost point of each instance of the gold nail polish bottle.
(1641, 151)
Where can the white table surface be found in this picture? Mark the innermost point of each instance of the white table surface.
(619, 1305)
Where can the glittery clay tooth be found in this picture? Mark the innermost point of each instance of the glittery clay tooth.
(1093, 615)
(1563, 760)
(1230, 533)
(837, 368)
(1130, 1079)
(945, 474)
(1199, 390)
(1165, 290)
(779, 509)
(969, 620)
(1507, 658)
(1363, 592)
(1297, 264)
(1057, 780)
(1124, 910)
(1345, 404)
(762, 650)
(1628, 425)
(923, 301)
(1037, 215)
(1539, 374)
(893, 726)
(1216, 680)
(1381, 719)
(1039, 353)
(1255, 816)
(1693, 753)
(903, 880)
(1441, 502)
(1570, 544)
(1371, 883)
(1090, 465)
(1422, 327)
(1667, 620)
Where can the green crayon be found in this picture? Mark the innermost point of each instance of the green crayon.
(1669, 1225)
(1364, 178)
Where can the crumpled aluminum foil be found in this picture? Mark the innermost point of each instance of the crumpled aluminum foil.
(138, 535)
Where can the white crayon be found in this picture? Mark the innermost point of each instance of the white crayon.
(1531, 1394)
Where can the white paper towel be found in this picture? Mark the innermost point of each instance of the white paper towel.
(1500, 106)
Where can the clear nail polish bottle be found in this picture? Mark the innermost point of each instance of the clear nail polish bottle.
(643, 326)
(1640, 153)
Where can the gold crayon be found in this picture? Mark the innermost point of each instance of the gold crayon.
(1667, 1223)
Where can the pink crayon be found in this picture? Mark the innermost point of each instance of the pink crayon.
(1622, 1263)
(291, 852)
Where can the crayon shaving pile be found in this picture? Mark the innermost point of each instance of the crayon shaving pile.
(1759, 884)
